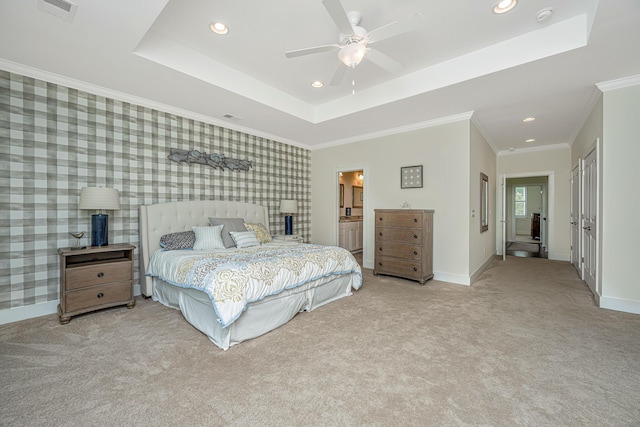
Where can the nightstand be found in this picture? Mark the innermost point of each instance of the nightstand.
(95, 278)
(290, 238)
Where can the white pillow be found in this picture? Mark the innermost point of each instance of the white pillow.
(208, 238)
(244, 239)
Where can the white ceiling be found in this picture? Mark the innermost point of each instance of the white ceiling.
(464, 59)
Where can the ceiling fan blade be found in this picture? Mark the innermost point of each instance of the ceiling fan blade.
(383, 61)
(311, 50)
(396, 28)
(338, 75)
(339, 16)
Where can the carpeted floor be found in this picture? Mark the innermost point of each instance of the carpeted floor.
(524, 345)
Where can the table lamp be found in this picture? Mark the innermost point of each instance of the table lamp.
(288, 207)
(99, 199)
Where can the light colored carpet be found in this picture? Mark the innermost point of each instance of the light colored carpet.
(524, 345)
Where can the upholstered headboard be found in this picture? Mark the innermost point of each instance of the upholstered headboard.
(163, 218)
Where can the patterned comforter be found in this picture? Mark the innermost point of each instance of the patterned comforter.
(234, 278)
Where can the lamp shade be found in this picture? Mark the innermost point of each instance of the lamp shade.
(99, 198)
(288, 206)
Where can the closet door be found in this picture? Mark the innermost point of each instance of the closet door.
(589, 219)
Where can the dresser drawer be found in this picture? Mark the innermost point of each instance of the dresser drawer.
(398, 235)
(398, 267)
(408, 219)
(399, 250)
(90, 275)
(103, 295)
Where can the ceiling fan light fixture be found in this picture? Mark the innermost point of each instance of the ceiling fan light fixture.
(219, 28)
(352, 54)
(504, 6)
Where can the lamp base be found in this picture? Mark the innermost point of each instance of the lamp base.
(99, 230)
(288, 225)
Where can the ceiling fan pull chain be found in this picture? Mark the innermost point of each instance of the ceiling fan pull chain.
(353, 82)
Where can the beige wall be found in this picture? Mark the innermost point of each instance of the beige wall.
(443, 151)
(482, 246)
(556, 163)
(620, 156)
(614, 122)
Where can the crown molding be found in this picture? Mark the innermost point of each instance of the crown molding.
(396, 130)
(619, 83)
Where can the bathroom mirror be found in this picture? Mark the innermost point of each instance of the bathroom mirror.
(358, 197)
(484, 202)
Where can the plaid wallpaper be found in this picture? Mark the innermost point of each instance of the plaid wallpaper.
(54, 140)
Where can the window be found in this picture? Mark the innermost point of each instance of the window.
(521, 201)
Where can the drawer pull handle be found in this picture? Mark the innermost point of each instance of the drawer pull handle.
(381, 233)
(415, 219)
(380, 249)
(100, 295)
(101, 274)
(415, 236)
(380, 219)
(415, 269)
(415, 253)
(380, 264)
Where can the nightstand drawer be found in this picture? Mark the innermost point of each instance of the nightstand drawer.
(98, 295)
(81, 277)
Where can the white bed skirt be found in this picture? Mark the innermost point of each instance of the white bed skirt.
(261, 316)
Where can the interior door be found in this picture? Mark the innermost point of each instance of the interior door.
(503, 216)
(589, 210)
(575, 218)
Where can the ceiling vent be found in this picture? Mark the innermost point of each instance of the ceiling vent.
(232, 117)
(63, 9)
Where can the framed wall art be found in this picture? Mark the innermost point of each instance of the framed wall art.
(411, 177)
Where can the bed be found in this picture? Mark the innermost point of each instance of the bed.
(265, 309)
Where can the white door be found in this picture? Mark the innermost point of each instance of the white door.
(575, 217)
(589, 210)
(503, 216)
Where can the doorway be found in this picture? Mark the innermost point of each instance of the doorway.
(527, 206)
(351, 210)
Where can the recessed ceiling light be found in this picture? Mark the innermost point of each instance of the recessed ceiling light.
(317, 84)
(528, 119)
(504, 6)
(219, 28)
(530, 140)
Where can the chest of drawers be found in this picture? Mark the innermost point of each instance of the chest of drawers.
(95, 278)
(404, 243)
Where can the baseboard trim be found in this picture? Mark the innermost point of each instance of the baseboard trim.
(452, 278)
(617, 304)
(25, 312)
(482, 268)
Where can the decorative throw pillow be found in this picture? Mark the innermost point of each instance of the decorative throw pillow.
(177, 241)
(244, 239)
(208, 238)
(230, 224)
(261, 232)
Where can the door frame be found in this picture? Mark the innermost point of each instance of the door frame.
(576, 218)
(550, 213)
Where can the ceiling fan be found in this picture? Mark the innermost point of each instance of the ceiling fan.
(354, 40)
